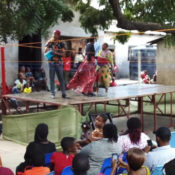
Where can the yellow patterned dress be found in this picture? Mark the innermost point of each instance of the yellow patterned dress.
(104, 67)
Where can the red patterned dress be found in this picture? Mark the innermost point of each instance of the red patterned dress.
(84, 79)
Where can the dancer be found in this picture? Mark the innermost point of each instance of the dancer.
(55, 62)
(105, 61)
(84, 79)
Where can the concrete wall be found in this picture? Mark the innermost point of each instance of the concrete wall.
(11, 62)
(165, 64)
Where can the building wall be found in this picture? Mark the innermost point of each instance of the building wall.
(165, 64)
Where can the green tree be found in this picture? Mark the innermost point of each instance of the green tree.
(139, 15)
(27, 21)
(19, 18)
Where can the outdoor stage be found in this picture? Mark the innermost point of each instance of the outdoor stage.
(127, 93)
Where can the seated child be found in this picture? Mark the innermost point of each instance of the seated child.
(100, 121)
(20, 82)
(60, 160)
(85, 130)
(41, 80)
(22, 71)
(95, 135)
(29, 76)
(27, 88)
(38, 160)
(136, 158)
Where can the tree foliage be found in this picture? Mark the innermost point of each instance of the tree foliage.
(139, 15)
(19, 18)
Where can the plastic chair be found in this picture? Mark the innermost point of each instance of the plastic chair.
(172, 140)
(158, 171)
(93, 116)
(67, 171)
(48, 158)
(51, 173)
(106, 168)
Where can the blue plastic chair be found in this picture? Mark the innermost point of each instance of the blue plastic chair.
(51, 173)
(172, 140)
(67, 171)
(158, 171)
(106, 168)
(48, 158)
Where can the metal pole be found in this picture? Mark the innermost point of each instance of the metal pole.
(139, 67)
(3, 78)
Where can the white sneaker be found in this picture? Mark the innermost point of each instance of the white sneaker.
(53, 96)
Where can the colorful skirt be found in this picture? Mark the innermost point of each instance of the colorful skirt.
(104, 76)
(84, 79)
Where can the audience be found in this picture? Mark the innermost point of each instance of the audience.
(27, 88)
(22, 72)
(80, 164)
(79, 58)
(169, 168)
(62, 159)
(67, 68)
(40, 80)
(5, 171)
(100, 121)
(99, 150)
(133, 137)
(40, 139)
(38, 160)
(163, 153)
(136, 158)
(19, 84)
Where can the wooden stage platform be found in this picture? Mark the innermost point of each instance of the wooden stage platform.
(134, 92)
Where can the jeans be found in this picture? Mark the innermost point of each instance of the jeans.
(58, 69)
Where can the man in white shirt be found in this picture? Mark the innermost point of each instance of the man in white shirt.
(163, 153)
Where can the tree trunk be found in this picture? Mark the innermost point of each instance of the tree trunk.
(124, 23)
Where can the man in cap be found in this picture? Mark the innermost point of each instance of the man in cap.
(55, 62)
(163, 153)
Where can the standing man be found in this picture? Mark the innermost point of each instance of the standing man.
(55, 62)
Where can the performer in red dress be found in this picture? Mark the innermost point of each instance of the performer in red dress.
(84, 79)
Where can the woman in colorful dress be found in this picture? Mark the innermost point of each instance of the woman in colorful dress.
(84, 79)
(105, 61)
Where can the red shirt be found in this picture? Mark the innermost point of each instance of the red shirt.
(67, 64)
(60, 161)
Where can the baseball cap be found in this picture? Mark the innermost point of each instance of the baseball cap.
(163, 133)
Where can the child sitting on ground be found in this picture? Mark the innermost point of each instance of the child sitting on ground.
(60, 160)
(97, 134)
(27, 88)
(29, 77)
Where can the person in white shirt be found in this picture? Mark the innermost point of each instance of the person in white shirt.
(79, 58)
(163, 153)
(133, 137)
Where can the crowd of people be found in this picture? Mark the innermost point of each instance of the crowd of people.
(104, 152)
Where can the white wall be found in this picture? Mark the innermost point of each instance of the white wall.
(165, 64)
